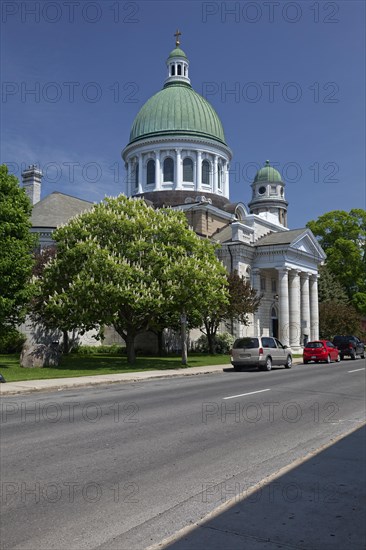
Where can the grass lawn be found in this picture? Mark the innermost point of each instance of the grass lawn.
(86, 365)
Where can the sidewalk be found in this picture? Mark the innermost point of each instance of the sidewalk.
(56, 384)
(317, 502)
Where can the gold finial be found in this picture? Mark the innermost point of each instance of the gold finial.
(177, 35)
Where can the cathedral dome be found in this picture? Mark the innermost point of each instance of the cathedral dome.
(177, 109)
(268, 173)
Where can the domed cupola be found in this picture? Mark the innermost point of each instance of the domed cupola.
(177, 64)
(268, 195)
(177, 142)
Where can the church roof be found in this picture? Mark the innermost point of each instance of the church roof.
(57, 209)
(268, 173)
(282, 237)
(177, 109)
(177, 52)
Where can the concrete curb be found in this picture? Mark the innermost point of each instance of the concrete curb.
(58, 384)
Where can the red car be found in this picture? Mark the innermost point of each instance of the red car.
(320, 350)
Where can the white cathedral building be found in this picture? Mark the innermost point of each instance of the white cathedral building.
(177, 156)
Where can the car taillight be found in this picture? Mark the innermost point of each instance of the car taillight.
(260, 351)
(350, 346)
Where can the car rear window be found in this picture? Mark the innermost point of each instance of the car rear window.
(314, 345)
(248, 343)
(339, 339)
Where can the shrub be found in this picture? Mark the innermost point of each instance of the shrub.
(12, 341)
(114, 349)
(223, 343)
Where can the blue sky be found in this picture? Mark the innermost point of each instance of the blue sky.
(286, 78)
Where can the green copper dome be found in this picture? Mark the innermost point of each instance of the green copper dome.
(177, 109)
(177, 52)
(267, 173)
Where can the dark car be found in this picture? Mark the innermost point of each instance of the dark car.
(320, 350)
(349, 346)
(261, 352)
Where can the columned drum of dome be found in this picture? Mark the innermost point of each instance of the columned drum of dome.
(181, 132)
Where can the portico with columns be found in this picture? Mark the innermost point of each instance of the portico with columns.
(283, 269)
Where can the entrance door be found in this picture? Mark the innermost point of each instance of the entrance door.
(274, 321)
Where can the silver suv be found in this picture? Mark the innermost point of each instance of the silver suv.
(260, 352)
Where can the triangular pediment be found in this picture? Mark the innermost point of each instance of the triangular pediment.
(308, 244)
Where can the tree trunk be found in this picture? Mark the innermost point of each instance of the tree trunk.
(130, 348)
(65, 342)
(183, 324)
(159, 335)
(211, 342)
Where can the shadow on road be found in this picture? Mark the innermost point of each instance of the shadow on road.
(317, 505)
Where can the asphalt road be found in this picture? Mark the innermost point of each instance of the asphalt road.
(125, 466)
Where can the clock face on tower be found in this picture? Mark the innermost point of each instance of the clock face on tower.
(262, 190)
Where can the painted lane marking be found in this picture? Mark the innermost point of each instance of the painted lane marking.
(357, 370)
(242, 394)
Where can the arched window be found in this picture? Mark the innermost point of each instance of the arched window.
(206, 172)
(179, 70)
(136, 175)
(150, 171)
(219, 176)
(168, 169)
(188, 169)
(173, 70)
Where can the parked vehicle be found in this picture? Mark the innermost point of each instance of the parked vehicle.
(349, 346)
(260, 352)
(320, 350)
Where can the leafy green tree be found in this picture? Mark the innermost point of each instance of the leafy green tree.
(16, 244)
(39, 312)
(243, 300)
(127, 265)
(343, 237)
(329, 288)
(337, 318)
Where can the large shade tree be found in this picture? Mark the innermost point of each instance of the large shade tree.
(127, 265)
(343, 237)
(16, 245)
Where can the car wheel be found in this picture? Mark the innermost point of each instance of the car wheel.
(268, 364)
(342, 357)
(306, 362)
(237, 368)
(362, 355)
(338, 358)
(328, 359)
(288, 363)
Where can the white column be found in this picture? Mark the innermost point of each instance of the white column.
(256, 281)
(295, 326)
(314, 308)
(226, 180)
(215, 174)
(199, 171)
(140, 173)
(305, 307)
(284, 318)
(129, 179)
(157, 171)
(178, 176)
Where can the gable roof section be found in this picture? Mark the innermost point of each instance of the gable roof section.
(299, 240)
(57, 209)
(280, 237)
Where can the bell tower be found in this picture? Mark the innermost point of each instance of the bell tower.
(268, 195)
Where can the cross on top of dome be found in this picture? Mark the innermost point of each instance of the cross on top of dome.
(177, 37)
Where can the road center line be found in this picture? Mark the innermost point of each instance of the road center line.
(357, 370)
(242, 394)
